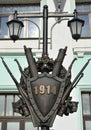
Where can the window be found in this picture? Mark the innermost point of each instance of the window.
(86, 108)
(6, 104)
(30, 30)
(84, 10)
(10, 120)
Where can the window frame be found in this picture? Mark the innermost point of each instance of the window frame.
(21, 119)
(8, 93)
(25, 35)
(86, 117)
(85, 12)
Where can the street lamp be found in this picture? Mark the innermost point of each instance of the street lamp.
(76, 26)
(15, 26)
(45, 85)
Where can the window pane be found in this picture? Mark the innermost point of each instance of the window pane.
(3, 27)
(33, 30)
(21, 8)
(83, 7)
(86, 7)
(2, 102)
(13, 126)
(16, 99)
(86, 28)
(85, 103)
(84, 11)
(88, 125)
(9, 110)
(29, 126)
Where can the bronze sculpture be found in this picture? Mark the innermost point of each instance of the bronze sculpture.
(45, 85)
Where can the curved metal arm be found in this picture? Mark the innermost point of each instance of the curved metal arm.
(58, 21)
(37, 28)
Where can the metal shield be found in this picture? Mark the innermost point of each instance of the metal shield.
(45, 91)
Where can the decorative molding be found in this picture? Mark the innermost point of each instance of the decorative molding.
(9, 48)
(81, 51)
(59, 5)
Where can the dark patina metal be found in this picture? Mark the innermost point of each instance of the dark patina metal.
(45, 85)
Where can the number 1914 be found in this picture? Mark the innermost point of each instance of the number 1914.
(42, 89)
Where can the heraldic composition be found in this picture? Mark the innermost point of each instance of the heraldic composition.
(45, 87)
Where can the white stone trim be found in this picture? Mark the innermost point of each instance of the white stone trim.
(8, 47)
(80, 51)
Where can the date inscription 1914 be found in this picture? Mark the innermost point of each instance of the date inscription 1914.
(43, 89)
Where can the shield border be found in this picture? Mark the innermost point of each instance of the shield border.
(35, 107)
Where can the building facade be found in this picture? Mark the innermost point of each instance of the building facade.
(59, 36)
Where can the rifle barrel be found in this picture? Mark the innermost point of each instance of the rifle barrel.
(58, 61)
(31, 62)
(7, 68)
(20, 68)
(83, 68)
(75, 81)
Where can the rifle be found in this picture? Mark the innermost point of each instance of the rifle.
(69, 69)
(23, 74)
(58, 61)
(31, 62)
(74, 83)
(7, 68)
(19, 87)
(21, 91)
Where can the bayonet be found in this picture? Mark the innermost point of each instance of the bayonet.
(69, 69)
(31, 62)
(23, 74)
(75, 81)
(12, 76)
(20, 68)
(21, 91)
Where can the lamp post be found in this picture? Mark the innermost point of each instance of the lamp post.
(15, 26)
(43, 94)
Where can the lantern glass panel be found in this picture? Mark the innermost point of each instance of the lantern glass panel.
(73, 27)
(16, 28)
(19, 32)
(76, 27)
(79, 27)
(11, 29)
